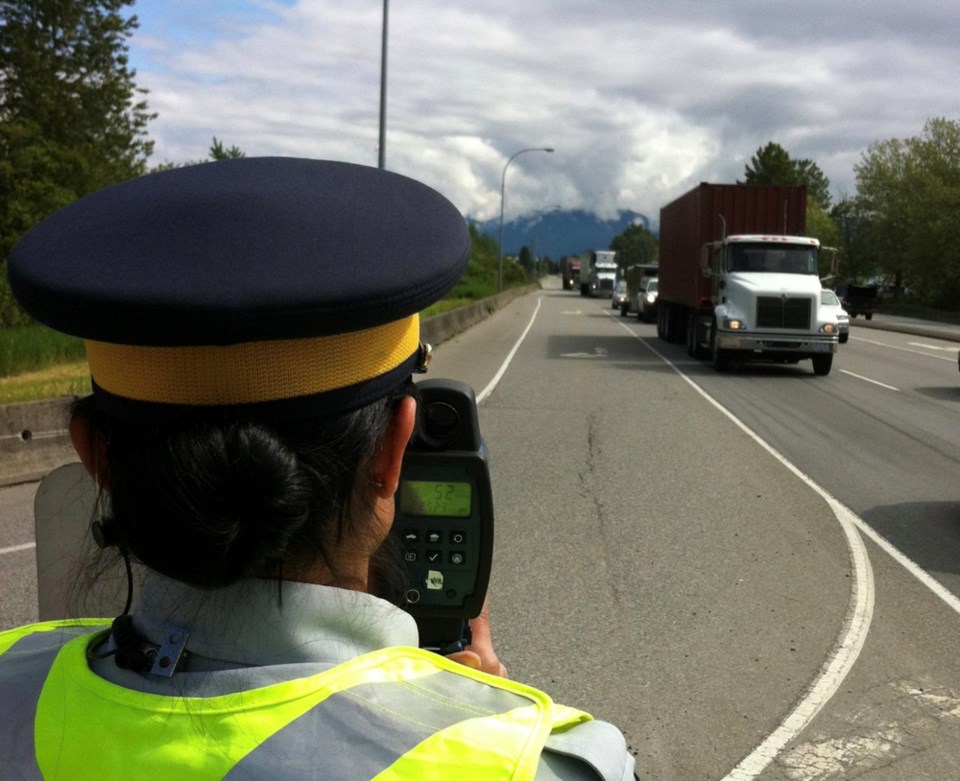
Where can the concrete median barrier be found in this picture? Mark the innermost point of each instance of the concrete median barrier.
(33, 439)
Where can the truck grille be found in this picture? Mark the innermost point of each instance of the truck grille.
(606, 284)
(783, 312)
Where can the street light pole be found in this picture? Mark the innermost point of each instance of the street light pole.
(503, 184)
(382, 152)
(536, 237)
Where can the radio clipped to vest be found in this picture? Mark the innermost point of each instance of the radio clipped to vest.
(444, 516)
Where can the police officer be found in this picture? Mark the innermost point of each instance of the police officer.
(251, 329)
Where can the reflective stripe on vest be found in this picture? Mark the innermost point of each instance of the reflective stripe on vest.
(391, 715)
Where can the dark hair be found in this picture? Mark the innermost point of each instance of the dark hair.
(208, 497)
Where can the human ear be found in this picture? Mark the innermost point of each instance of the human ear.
(91, 446)
(389, 458)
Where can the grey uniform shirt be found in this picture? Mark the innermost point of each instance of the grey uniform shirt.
(260, 632)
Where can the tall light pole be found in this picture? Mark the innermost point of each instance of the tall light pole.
(503, 184)
(536, 235)
(382, 152)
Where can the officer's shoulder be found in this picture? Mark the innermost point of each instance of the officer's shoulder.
(590, 751)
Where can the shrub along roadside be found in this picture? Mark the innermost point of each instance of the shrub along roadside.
(31, 348)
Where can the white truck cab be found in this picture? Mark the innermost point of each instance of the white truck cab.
(766, 301)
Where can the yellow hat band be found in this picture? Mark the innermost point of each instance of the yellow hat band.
(251, 372)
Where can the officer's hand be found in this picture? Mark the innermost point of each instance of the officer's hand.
(480, 654)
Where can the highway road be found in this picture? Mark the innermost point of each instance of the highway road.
(753, 574)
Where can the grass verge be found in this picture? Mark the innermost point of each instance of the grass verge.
(66, 379)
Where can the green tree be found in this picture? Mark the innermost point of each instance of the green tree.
(909, 194)
(821, 226)
(773, 165)
(635, 245)
(818, 186)
(219, 152)
(216, 152)
(71, 118)
(525, 259)
(857, 262)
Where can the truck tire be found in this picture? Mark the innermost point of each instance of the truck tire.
(661, 317)
(822, 364)
(721, 357)
(694, 344)
(673, 325)
(869, 315)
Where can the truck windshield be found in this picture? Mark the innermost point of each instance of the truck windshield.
(780, 259)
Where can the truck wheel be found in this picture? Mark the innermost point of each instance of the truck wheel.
(661, 316)
(822, 364)
(869, 315)
(697, 350)
(721, 357)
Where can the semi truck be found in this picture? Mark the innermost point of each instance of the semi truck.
(738, 279)
(570, 272)
(598, 272)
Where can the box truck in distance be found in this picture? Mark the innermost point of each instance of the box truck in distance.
(739, 281)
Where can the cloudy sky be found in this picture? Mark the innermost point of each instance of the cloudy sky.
(641, 99)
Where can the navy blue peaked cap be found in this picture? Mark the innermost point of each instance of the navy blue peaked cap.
(241, 250)
(248, 281)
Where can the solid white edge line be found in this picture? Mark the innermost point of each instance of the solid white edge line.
(18, 548)
(856, 624)
(949, 598)
(503, 369)
(902, 349)
(867, 379)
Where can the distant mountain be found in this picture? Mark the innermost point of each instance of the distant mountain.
(558, 233)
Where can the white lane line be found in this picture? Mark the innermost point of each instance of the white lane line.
(904, 349)
(934, 347)
(867, 379)
(503, 369)
(948, 597)
(17, 548)
(856, 623)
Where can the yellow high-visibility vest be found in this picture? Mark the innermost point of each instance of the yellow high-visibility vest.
(390, 715)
